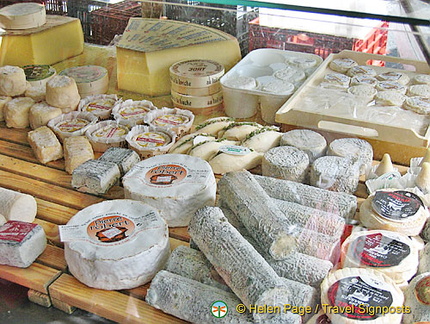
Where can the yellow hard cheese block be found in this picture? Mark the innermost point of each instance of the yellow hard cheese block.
(58, 39)
(150, 46)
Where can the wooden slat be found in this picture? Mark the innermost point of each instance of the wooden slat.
(53, 212)
(180, 233)
(53, 257)
(51, 231)
(112, 305)
(39, 298)
(14, 135)
(37, 276)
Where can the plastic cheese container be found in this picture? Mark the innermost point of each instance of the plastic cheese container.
(266, 78)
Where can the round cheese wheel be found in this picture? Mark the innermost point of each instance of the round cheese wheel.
(309, 141)
(175, 184)
(394, 76)
(342, 65)
(90, 79)
(22, 16)
(424, 265)
(417, 300)
(203, 91)
(74, 123)
(196, 73)
(12, 81)
(106, 134)
(62, 92)
(38, 74)
(131, 112)
(100, 105)
(361, 70)
(394, 210)
(116, 244)
(178, 120)
(420, 105)
(354, 148)
(365, 295)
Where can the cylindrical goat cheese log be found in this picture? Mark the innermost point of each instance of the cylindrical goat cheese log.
(297, 266)
(62, 92)
(424, 264)
(309, 141)
(243, 269)
(41, 113)
(339, 203)
(15, 205)
(16, 112)
(262, 139)
(356, 149)
(417, 300)
(286, 162)
(194, 301)
(213, 125)
(12, 81)
(335, 173)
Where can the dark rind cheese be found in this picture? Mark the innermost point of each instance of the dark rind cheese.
(123, 157)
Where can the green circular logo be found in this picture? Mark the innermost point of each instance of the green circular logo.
(219, 309)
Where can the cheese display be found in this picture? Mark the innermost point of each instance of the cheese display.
(286, 162)
(417, 301)
(131, 112)
(77, 150)
(3, 101)
(235, 158)
(70, 124)
(184, 144)
(190, 300)
(115, 244)
(45, 144)
(23, 47)
(262, 140)
(309, 141)
(175, 184)
(16, 112)
(38, 74)
(22, 16)
(41, 113)
(99, 105)
(178, 120)
(396, 210)
(149, 47)
(237, 261)
(21, 243)
(149, 141)
(124, 158)
(391, 253)
(62, 92)
(367, 294)
(18, 206)
(12, 81)
(335, 173)
(354, 148)
(95, 176)
(106, 134)
(90, 79)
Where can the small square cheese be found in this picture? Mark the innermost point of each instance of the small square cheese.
(123, 157)
(21, 243)
(45, 144)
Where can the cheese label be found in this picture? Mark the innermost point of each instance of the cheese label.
(85, 74)
(396, 205)
(196, 73)
(151, 139)
(378, 250)
(360, 297)
(103, 105)
(15, 231)
(36, 72)
(72, 125)
(171, 119)
(422, 291)
(234, 150)
(110, 132)
(133, 111)
(110, 228)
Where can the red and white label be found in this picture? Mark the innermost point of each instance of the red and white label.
(15, 231)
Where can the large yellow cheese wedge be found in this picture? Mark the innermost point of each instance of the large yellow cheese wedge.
(58, 39)
(150, 46)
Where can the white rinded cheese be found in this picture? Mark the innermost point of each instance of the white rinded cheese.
(41, 113)
(389, 98)
(384, 166)
(363, 93)
(241, 82)
(37, 93)
(106, 134)
(417, 300)
(149, 141)
(90, 79)
(235, 158)
(23, 16)
(100, 105)
(77, 150)
(208, 149)
(74, 123)
(335, 173)
(183, 145)
(362, 291)
(361, 70)
(391, 85)
(391, 253)
(176, 184)
(262, 139)
(421, 79)
(419, 90)
(424, 265)
(214, 125)
(309, 141)
(422, 181)
(124, 158)
(420, 105)
(95, 176)
(238, 131)
(115, 244)
(178, 120)
(131, 112)
(364, 79)
(342, 65)
(37, 74)
(16, 112)
(196, 73)
(394, 210)
(336, 80)
(21, 243)
(62, 92)
(3, 101)
(393, 76)
(45, 144)
(291, 74)
(354, 148)
(286, 162)
(15, 205)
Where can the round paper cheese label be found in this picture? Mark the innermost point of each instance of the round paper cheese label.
(133, 112)
(396, 205)
(72, 125)
(151, 139)
(166, 174)
(110, 131)
(378, 250)
(359, 297)
(99, 105)
(422, 291)
(109, 229)
(171, 119)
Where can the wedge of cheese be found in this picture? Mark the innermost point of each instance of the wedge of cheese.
(150, 46)
(22, 47)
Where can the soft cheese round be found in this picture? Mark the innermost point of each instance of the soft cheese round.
(116, 244)
(178, 120)
(309, 141)
(361, 70)
(131, 112)
(175, 184)
(41, 113)
(74, 123)
(421, 90)
(106, 134)
(12, 81)
(389, 98)
(90, 79)
(22, 16)
(100, 105)
(342, 65)
(394, 76)
(62, 92)
(420, 105)
(354, 148)
(417, 299)
(196, 73)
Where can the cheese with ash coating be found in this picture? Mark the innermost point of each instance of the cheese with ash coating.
(123, 157)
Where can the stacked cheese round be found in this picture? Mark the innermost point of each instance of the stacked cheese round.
(175, 184)
(195, 85)
(90, 79)
(116, 244)
(38, 74)
(22, 16)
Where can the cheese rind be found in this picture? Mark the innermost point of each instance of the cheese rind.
(124, 158)
(62, 92)
(17, 206)
(3, 101)
(41, 113)
(90, 79)
(22, 16)
(16, 112)
(309, 141)
(12, 81)
(417, 300)
(77, 150)
(45, 144)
